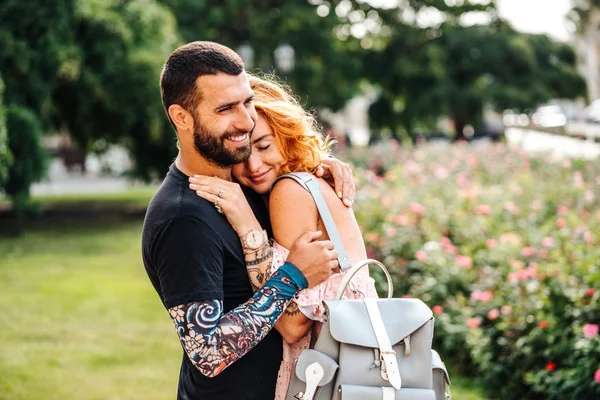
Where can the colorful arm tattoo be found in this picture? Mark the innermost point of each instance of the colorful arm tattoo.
(213, 340)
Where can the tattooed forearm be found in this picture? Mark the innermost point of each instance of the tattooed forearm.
(213, 340)
(258, 264)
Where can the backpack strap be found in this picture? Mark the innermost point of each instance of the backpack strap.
(310, 183)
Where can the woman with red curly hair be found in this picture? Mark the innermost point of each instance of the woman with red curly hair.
(286, 138)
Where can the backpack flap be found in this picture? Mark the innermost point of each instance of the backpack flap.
(349, 320)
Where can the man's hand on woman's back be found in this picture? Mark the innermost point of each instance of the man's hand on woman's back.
(315, 258)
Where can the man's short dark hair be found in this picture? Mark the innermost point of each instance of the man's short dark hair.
(189, 62)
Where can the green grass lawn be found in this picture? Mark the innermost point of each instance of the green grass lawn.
(80, 319)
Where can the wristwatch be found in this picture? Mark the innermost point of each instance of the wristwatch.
(254, 239)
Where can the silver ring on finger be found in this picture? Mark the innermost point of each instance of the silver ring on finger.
(218, 207)
(220, 192)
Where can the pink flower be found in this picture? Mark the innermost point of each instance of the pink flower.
(483, 209)
(473, 322)
(491, 243)
(590, 292)
(389, 231)
(528, 252)
(462, 180)
(588, 237)
(464, 261)
(475, 294)
(486, 296)
(437, 309)
(561, 223)
(562, 211)
(417, 209)
(548, 242)
(372, 237)
(386, 201)
(402, 220)
(511, 208)
(597, 376)
(590, 330)
(506, 310)
(421, 255)
(578, 179)
(589, 196)
(493, 314)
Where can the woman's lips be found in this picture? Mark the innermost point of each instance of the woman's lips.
(259, 178)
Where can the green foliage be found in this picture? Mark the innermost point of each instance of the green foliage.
(425, 72)
(504, 248)
(114, 95)
(327, 71)
(24, 142)
(6, 158)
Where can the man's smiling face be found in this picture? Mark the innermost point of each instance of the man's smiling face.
(224, 119)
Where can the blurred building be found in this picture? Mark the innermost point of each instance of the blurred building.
(588, 49)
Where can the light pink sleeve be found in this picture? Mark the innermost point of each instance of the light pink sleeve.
(310, 301)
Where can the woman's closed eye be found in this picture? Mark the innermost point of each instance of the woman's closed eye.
(263, 148)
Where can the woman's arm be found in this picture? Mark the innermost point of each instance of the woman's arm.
(293, 212)
(258, 252)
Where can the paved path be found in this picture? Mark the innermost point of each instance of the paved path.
(560, 146)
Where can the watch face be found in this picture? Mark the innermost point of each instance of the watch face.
(254, 239)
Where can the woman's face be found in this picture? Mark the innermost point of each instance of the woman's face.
(264, 165)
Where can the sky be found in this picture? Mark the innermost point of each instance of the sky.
(537, 16)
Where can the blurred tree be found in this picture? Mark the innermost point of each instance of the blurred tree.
(24, 141)
(37, 44)
(326, 71)
(428, 69)
(410, 65)
(581, 12)
(110, 93)
(6, 158)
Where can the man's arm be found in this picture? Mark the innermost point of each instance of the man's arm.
(189, 257)
(213, 340)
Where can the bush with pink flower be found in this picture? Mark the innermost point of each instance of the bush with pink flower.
(504, 247)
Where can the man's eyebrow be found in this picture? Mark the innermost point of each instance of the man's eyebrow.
(233, 103)
(261, 138)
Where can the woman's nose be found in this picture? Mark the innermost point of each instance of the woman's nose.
(253, 163)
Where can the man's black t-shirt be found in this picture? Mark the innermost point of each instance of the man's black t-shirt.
(191, 253)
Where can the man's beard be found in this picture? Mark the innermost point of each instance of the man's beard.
(212, 147)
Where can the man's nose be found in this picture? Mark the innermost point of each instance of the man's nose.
(246, 119)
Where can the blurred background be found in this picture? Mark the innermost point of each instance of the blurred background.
(472, 127)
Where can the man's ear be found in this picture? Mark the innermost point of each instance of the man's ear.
(181, 118)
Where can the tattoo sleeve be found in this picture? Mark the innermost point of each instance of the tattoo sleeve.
(259, 266)
(213, 340)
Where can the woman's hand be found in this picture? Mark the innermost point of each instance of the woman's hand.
(229, 198)
(332, 169)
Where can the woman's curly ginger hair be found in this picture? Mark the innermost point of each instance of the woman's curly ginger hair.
(296, 130)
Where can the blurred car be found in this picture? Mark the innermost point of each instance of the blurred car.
(490, 128)
(549, 117)
(592, 112)
(511, 118)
